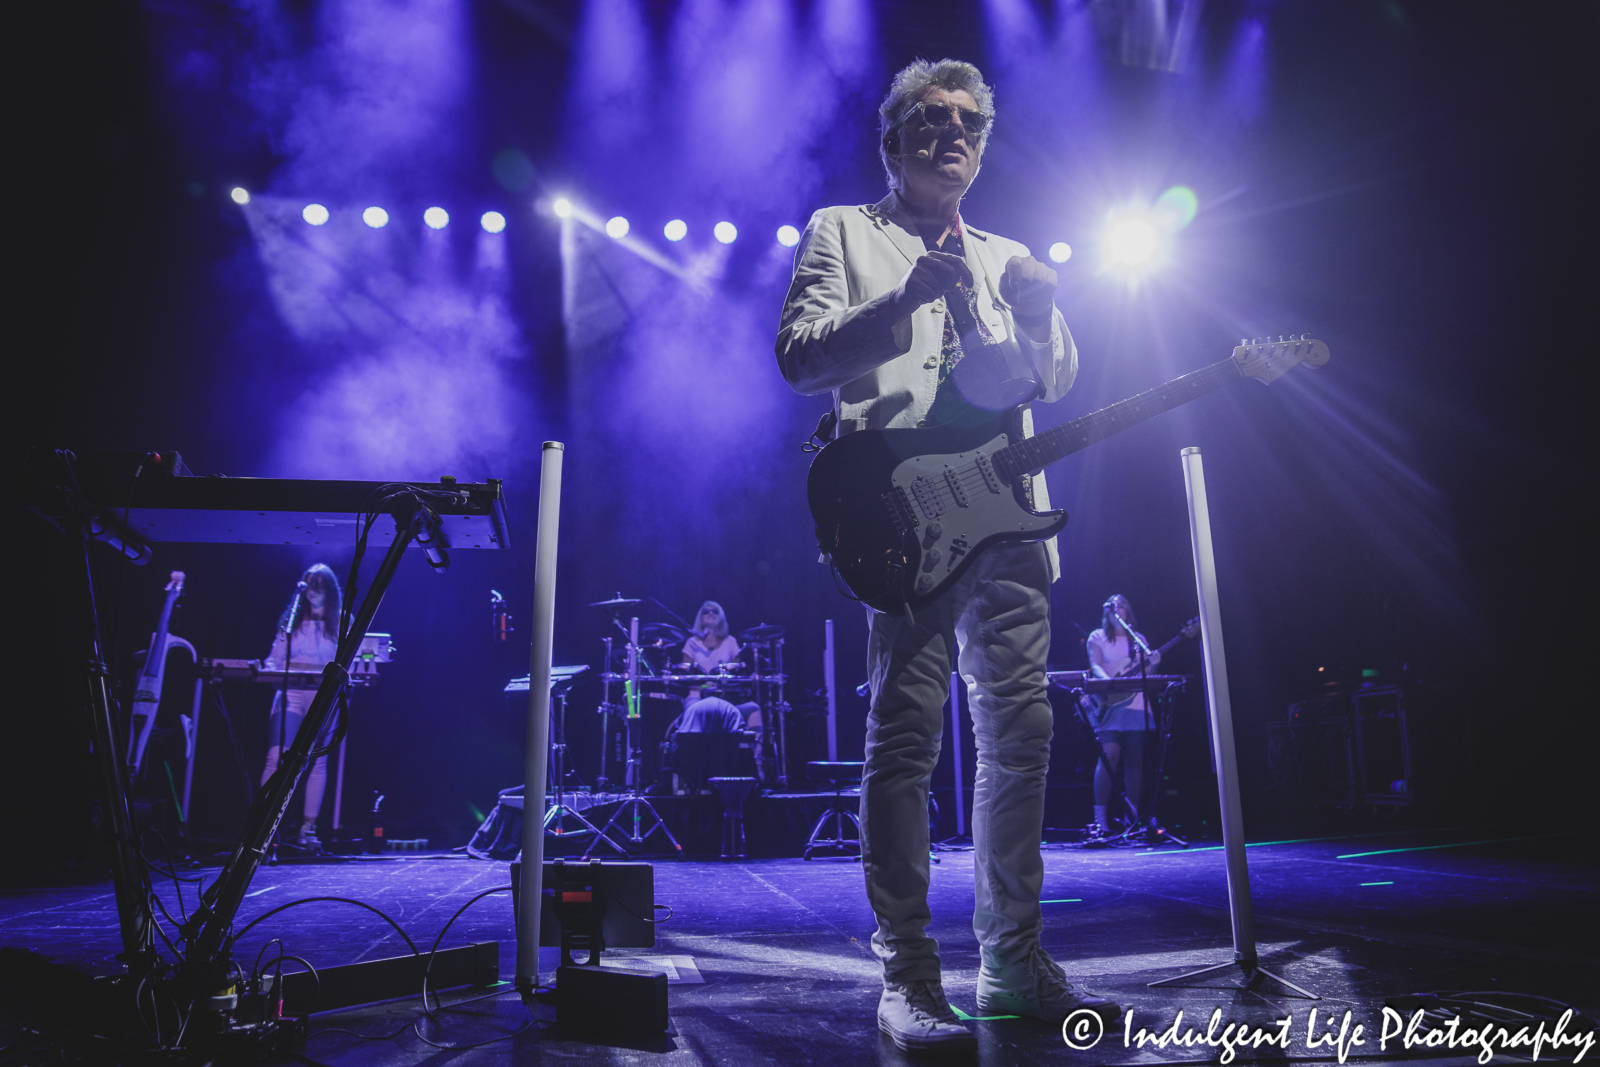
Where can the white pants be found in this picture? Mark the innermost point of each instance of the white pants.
(995, 623)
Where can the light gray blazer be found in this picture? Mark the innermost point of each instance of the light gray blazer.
(839, 332)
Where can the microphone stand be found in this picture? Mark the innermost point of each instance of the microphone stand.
(287, 629)
(1145, 655)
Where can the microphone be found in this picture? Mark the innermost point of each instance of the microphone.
(294, 609)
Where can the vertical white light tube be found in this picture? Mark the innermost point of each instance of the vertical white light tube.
(538, 753)
(1205, 576)
(955, 751)
(827, 682)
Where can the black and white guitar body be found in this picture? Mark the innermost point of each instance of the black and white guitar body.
(903, 513)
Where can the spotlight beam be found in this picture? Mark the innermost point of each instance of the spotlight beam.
(629, 241)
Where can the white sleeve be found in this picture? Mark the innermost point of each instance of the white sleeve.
(823, 342)
(274, 659)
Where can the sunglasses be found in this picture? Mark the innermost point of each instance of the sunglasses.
(940, 116)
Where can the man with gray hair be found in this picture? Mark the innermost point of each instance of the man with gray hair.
(886, 300)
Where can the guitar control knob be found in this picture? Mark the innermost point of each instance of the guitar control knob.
(931, 559)
(934, 531)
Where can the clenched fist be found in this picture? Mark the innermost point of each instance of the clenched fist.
(1029, 287)
(931, 276)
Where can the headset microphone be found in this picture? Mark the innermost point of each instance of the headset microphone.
(923, 153)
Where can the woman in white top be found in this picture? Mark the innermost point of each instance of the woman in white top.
(309, 642)
(709, 646)
(1123, 718)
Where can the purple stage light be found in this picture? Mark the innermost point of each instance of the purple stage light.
(788, 236)
(375, 217)
(726, 232)
(1060, 252)
(437, 218)
(492, 221)
(617, 227)
(239, 195)
(562, 207)
(676, 230)
(315, 214)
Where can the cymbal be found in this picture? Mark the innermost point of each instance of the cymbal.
(617, 601)
(764, 632)
(663, 631)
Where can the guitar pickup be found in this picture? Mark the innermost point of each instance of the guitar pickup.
(957, 490)
(991, 480)
(926, 491)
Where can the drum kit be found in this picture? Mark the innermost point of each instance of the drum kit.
(647, 681)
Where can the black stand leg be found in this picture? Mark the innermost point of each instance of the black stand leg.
(127, 866)
(1253, 973)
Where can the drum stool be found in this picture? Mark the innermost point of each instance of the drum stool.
(841, 776)
(734, 792)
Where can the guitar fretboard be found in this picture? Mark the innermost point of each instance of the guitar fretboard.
(1041, 450)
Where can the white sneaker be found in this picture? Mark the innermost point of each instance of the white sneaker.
(1037, 986)
(918, 1019)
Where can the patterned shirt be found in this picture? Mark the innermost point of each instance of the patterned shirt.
(951, 348)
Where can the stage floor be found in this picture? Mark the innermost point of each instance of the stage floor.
(782, 971)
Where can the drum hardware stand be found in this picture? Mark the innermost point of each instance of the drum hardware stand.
(554, 826)
(606, 709)
(768, 664)
(635, 799)
(614, 606)
(781, 709)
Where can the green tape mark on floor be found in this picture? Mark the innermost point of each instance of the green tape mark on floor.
(964, 1017)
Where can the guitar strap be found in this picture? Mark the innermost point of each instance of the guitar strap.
(822, 434)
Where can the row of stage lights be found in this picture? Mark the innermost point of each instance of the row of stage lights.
(616, 227)
(435, 218)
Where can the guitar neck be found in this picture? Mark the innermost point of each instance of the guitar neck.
(1034, 453)
(1168, 647)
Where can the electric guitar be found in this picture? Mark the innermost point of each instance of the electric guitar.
(152, 673)
(1186, 631)
(902, 514)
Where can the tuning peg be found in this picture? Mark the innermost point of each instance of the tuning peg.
(1280, 338)
(1244, 342)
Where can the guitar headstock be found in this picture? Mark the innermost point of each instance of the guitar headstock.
(175, 585)
(1268, 360)
(1191, 627)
